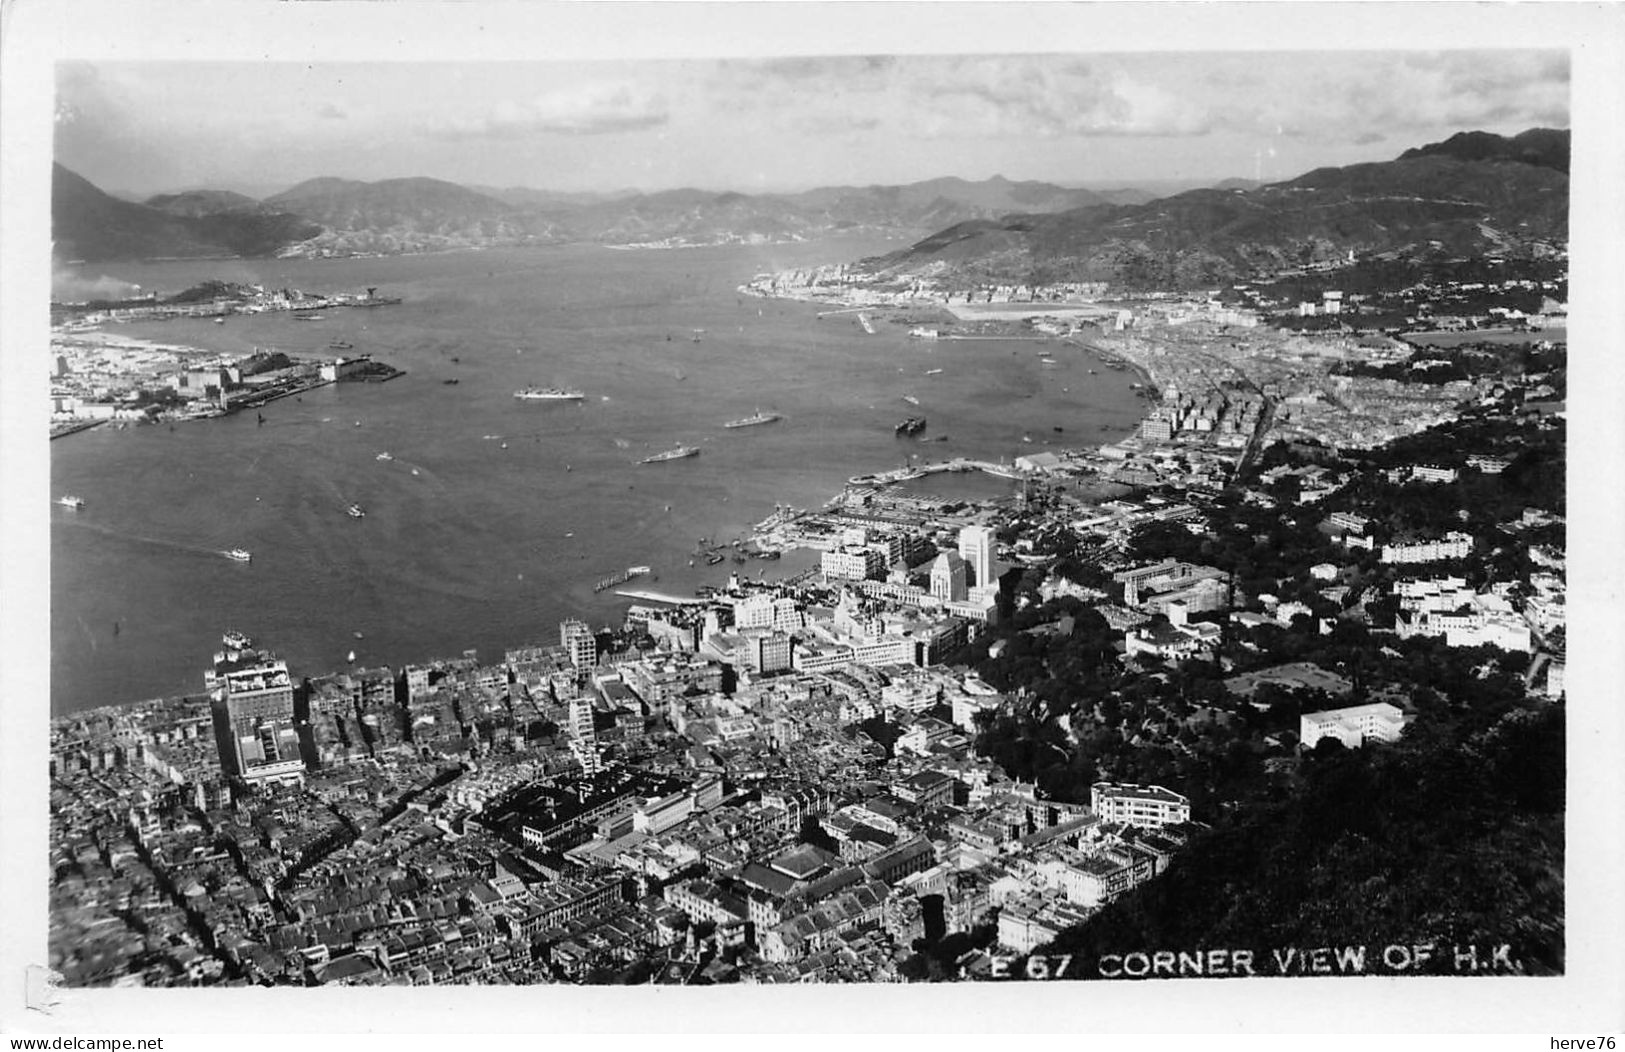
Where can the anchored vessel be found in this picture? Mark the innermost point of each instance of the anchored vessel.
(912, 426)
(554, 394)
(355, 511)
(672, 454)
(750, 421)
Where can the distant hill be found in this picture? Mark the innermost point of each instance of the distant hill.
(527, 198)
(1475, 196)
(203, 202)
(1542, 147)
(91, 225)
(405, 215)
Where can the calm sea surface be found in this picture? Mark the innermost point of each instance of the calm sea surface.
(496, 516)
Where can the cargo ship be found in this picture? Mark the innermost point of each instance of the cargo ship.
(677, 453)
(554, 394)
(751, 421)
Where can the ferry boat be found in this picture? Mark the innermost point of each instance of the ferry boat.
(912, 426)
(751, 421)
(70, 501)
(553, 394)
(239, 554)
(355, 511)
(676, 453)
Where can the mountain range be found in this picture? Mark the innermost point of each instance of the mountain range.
(1473, 192)
(330, 216)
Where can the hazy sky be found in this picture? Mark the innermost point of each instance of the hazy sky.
(786, 123)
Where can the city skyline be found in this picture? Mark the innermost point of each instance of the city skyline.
(782, 125)
(589, 803)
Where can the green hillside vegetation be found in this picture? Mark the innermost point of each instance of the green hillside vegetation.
(1454, 835)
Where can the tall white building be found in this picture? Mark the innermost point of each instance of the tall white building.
(578, 639)
(976, 548)
(583, 739)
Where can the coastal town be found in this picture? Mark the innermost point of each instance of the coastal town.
(969, 730)
(100, 378)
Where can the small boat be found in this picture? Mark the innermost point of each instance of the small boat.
(239, 554)
(932, 372)
(452, 380)
(358, 635)
(713, 559)
(504, 445)
(414, 471)
(341, 345)
(355, 511)
(911, 400)
(220, 321)
(236, 640)
(70, 501)
(350, 657)
(385, 455)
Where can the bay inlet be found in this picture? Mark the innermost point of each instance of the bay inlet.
(492, 518)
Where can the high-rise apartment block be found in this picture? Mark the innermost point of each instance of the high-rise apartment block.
(976, 548)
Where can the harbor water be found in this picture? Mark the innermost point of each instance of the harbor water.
(494, 517)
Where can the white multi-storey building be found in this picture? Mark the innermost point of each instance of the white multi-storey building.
(1149, 806)
(1354, 726)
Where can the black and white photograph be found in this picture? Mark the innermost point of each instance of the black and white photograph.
(987, 514)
